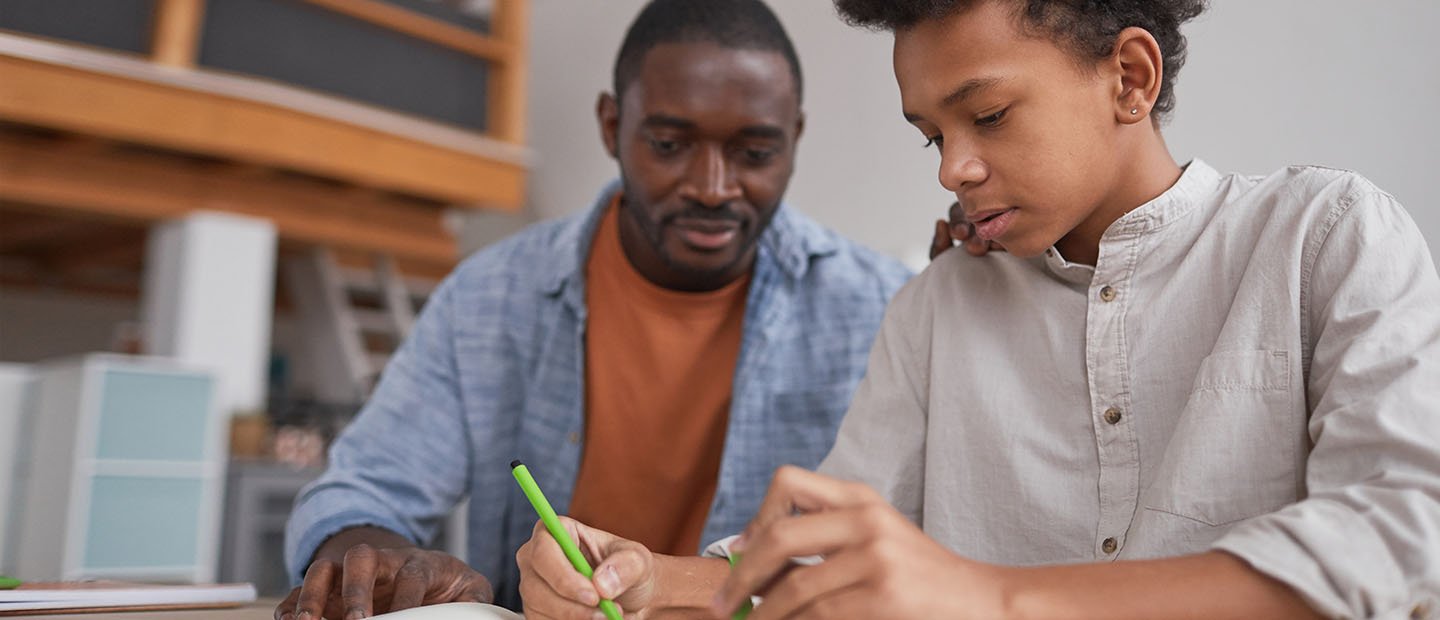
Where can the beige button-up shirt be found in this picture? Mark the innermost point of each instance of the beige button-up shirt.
(1252, 365)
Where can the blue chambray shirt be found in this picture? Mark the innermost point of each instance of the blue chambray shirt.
(493, 369)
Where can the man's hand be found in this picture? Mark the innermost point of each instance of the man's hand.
(877, 563)
(957, 230)
(364, 571)
(552, 588)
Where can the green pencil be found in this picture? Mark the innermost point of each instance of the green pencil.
(552, 523)
(744, 611)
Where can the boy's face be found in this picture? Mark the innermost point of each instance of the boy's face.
(1027, 136)
(705, 137)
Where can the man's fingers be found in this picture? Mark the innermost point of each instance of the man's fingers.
(315, 590)
(478, 590)
(412, 581)
(286, 609)
(357, 582)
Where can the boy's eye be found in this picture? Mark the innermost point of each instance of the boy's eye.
(993, 119)
(936, 141)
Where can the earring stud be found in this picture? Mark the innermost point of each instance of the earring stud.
(1134, 110)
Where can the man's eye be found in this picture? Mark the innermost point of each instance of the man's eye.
(665, 147)
(992, 120)
(759, 156)
(936, 141)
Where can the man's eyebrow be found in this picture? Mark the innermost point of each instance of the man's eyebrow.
(763, 131)
(663, 120)
(964, 91)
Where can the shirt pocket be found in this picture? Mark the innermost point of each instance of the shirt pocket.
(1233, 453)
(805, 421)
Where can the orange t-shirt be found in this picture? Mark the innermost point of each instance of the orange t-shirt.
(658, 371)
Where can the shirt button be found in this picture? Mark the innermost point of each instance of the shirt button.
(1107, 294)
(1112, 415)
(1109, 546)
(573, 437)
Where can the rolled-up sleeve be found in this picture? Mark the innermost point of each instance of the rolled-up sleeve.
(1365, 542)
(402, 464)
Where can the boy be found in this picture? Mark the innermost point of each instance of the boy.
(1205, 395)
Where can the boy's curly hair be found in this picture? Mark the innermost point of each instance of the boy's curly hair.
(1086, 27)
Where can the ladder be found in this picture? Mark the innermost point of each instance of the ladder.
(357, 316)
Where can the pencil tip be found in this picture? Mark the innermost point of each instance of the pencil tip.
(515, 463)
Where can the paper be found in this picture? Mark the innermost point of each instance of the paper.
(111, 595)
(452, 611)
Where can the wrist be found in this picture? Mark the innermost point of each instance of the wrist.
(335, 547)
(1021, 598)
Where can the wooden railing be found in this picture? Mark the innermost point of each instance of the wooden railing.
(327, 170)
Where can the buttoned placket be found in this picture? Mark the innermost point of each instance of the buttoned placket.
(1108, 371)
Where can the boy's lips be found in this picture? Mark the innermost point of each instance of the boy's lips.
(990, 225)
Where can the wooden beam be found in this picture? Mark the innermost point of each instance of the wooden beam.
(159, 114)
(148, 188)
(422, 27)
(175, 40)
(507, 87)
(21, 232)
(105, 249)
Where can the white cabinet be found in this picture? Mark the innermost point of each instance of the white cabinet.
(125, 472)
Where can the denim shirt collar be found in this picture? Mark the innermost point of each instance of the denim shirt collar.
(789, 243)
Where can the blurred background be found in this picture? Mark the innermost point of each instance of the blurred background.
(218, 217)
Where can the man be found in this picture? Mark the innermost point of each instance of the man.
(1182, 394)
(652, 360)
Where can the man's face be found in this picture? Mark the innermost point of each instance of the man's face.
(1027, 137)
(705, 137)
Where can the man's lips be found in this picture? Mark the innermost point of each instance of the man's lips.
(707, 234)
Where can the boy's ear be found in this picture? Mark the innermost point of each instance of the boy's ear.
(1139, 70)
(607, 113)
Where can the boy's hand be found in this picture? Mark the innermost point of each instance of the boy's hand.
(552, 588)
(877, 563)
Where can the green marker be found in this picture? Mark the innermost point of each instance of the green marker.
(744, 611)
(8, 583)
(552, 523)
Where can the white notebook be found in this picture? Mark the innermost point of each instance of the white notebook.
(452, 611)
(112, 595)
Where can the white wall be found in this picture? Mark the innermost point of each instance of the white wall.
(1269, 83)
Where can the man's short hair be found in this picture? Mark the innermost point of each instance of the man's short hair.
(1086, 29)
(732, 24)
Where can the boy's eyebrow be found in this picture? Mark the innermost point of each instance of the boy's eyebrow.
(964, 91)
(969, 88)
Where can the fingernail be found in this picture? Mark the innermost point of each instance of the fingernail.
(717, 604)
(304, 614)
(355, 614)
(608, 581)
(588, 597)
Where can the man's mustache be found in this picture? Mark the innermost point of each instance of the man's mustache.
(694, 211)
